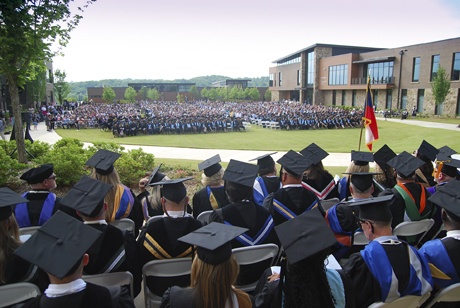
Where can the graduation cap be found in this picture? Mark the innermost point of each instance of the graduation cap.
(294, 163)
(59, 244)
(405, 163)
(376, 208)
(103, 161)
(361, 158)
(8, 198)
(210, 166)
(314, 153)
(173, 190)
(155, 176)
(446, 151)
(265, 161)
(427, 150)
(305, 235)
(87, 196)
(447, 165)
(38, 174)
(383, 155)
(213, 241)
(241, 173)
(361, 180)
(448, 197)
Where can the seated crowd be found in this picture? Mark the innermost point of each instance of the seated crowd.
(318, 264)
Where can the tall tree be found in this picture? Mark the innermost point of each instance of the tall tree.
(61, 87)
(194, 92)
(153, 94)
(143, 93)
(130, 94)
(268, 95)
(28, 28)
(108, 94)
(440, 85)
(37, 87)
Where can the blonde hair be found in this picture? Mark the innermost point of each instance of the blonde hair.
(214, 283)
(213, 180)
(155, 196)
(383, 176)
(9, 242)
(114, 179)
(352, 167)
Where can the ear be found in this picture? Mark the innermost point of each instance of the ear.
(105, 206)
(85, 259)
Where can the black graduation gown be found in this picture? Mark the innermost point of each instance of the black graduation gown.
(136, 214)
(35, 205)
(321, 182)
(201, 201)
(20, 270)
(272, 183)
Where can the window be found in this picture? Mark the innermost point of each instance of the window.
(404, 99)
(334, 97)
(270, 83)
(310, 68)
(389, 99)
(458, 102)
(299, 77)
(434, 66)
(343, 97)
(420, 99)
(280, 78)
(375, 97)
(289, 61)
(416, 69)
(338, 74)
(456, 67)
(353, 98)
(381, 72)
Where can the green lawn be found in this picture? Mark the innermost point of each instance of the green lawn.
(398, 136)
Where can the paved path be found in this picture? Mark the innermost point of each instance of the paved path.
(334, 159)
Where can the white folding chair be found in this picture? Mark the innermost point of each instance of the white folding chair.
(360, 239)
(328, 203)
(411, 228)
(112, 279)
(124, 224)
(28, 230)
(168, 268)
(15, 293)
(154, 218)
(204, 216)
(251, 255)
(448, 294)
(408, 301)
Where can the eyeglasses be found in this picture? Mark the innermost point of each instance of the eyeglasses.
(360, 222)
(52, 177)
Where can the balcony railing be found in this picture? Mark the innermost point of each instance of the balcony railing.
(383, 80)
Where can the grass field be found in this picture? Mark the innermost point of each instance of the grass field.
(400, 137)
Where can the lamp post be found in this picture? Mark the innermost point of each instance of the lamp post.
(401, 53)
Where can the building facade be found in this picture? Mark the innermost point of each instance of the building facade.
(400, 78)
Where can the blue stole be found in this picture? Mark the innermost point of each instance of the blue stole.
(334, 221)
(22, 214)
(286, 212)
(436, 254)
(259, 196)
(259, 238)
(376, 259)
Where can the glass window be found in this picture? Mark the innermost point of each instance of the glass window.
(381, 73)
(353, 98)
(298, 77)
(416, 69)
(456, 67)
(338, 74)
(420, 99)
(310, 68)
(389, 99)
(404, 99)
(270, 83)
(434, 66)
(280, 78)
(343, 97)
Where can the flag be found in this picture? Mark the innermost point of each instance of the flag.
(370, 123)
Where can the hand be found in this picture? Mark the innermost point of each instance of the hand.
(273, 277)
(142, 183)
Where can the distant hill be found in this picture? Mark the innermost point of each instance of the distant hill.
(78, 89)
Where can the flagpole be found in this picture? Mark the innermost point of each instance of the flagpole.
(364, 110)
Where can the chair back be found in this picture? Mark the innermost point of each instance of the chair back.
(164, 272)
(112, 279)
(26, 232)
(124, 224)
(328, 203)
(360, 239)
(408, 301)
(448, 294)
(15, 293)
(204, 216)
(411, 228)
(154, 218)
(253, 261)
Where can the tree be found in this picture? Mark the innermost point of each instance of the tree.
(153, 94)
(194, 92)
(61, 87)
(28, 28)
(268, 95)
(254, 94)
(130, 94)
(37, 87)
(205, 93)
(440, 85)
(143, 93)
(108, 94)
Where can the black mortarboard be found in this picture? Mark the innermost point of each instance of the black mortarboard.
(405, 163)
(294, 163)
(376, 208)
(103, 161)
(448, 197)
(314, 153)
(265, 161)
(155, 176)
(447, 165)
(210, 166)
(173, 190)
(383, 155)
(362, 158)
(8, 198)
(446, 151)
(427, 150)
(59, 244)
(361, 180)
(213, 241)
(241, 173)
(305, 235)
(38, 174)
(87, 196)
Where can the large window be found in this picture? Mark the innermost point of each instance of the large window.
(381, 72)
(280, 78)
(420, 99)
(389, 99)
(270, 82)
(416, 69)
(434, 66)
(456, 67)
(343, 97)
(299, 77)
(310, 68)
(289, 61)
(404, 99)
(353, 98)
(338, 75)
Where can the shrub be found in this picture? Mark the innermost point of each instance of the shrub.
(9, 168)
(37, 149)
(132, 165)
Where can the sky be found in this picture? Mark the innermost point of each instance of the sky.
(173, 39)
